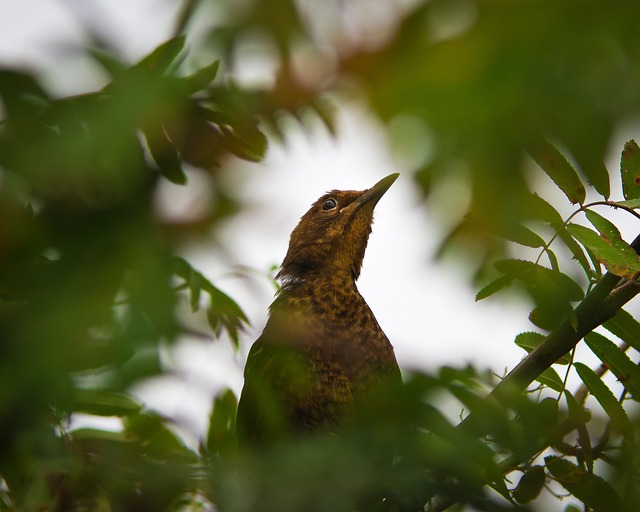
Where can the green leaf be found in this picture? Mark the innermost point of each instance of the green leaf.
(493, 287)
(606, 228)
(630, 170)
(631, 203)
(559, 170)
(101, 402)
(221, 435)
(576, 250)
(592, 490)
(625, 327)
(150, 430)
(617, 361)
(202, 78)
(551, 379)
(223, 313)
(523, 236)
(553, 260)
(577, 413)
(534, 275)
(608, 401)
(165, 155)
(530, 340)
(542, 210)
(615, 254)
(530, 485)
(160, 59)
(248, 143)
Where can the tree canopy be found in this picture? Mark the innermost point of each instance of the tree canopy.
(92, 277)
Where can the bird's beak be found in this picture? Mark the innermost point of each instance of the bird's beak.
(374, 194)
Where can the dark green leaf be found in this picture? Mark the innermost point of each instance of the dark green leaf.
(559, 170)
(576, 250)
(608, 401)
(630, 170)
(530, 485)
(530, 340)
(553, 260)
(551, 379)
(625, 327)
(577, 413)
(249, 143)
(202, 78)
(150, 429)
(165, 155)
(221, 435)
(617, 361)
(592, 490)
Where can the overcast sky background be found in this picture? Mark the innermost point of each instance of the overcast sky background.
(426, 308)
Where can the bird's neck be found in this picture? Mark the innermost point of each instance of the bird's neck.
(318, 283)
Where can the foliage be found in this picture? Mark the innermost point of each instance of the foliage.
(91, 276)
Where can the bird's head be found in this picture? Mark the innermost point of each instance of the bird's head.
(332, 236)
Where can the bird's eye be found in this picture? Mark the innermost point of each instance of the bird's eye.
(329, 204)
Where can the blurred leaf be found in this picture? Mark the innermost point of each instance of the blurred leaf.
(608, 401)
(150, 431)
(559, 170)
(109, 62)
(616, 255)
(534, 275)
(617, 361)
(630, 171)
(552, 291)
(625, 327)
(223, 311)
(104, 403)
(530, 340)
(161, 58)
(592, 490)
(530, 485)
(221, 435)
(494, 286)
(165, 156)
(246, 142)
(202, 78)
(577, 413)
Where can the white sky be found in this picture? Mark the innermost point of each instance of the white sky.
(427, 309)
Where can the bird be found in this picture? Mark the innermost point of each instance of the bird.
(322, 349)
